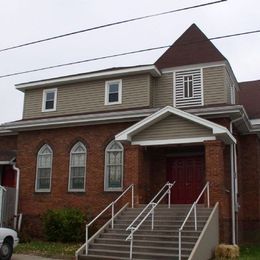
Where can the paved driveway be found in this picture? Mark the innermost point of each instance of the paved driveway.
(29, 257)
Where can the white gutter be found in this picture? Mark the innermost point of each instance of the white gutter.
(17, 194)
(233, 158)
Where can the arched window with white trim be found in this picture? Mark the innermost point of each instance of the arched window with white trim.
(114, 157)
(44, 169)
(77, 174)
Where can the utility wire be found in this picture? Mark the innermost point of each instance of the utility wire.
(109, 25)
(125, 53)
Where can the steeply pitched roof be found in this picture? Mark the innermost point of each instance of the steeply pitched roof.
(192, 47)
(249, 97)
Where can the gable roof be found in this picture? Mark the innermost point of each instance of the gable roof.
(217, 130)
(249, 96)
(192, 47)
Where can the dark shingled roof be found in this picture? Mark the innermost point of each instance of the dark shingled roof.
(7, 155)
(249, 97)
(192, 47)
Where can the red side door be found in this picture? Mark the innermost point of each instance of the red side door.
(8, 177)
(188, 172)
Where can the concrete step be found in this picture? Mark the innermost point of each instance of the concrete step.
(144, 226)
(124, 249)
(152, 237)
(155, 243)
(152, 232)
(136, 255)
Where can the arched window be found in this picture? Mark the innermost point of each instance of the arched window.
(77, 173)
(44, 169)
(114, 166)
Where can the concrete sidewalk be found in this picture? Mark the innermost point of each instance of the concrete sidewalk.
(29, 257)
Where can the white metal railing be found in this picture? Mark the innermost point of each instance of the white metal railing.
(2, 204)
(193, 207)
(112, 206)
(153, 205)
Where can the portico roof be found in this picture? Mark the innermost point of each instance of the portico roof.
(174, 126)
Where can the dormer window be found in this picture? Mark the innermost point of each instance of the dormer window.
(113, 92)
(188, 88)
(49, 100)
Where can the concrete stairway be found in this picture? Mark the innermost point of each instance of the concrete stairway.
(160, 243)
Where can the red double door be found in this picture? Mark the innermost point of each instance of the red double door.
(188, 172)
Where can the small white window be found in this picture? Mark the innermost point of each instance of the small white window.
(49, 100)
(113, 92)
(188, 86)
(77, 173)
(114, 166)
(44, 169)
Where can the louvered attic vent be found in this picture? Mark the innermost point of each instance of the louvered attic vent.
(188, 88)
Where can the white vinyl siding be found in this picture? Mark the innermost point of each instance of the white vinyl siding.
(44, 169)
(77, 174)
(114, 166)
(188, 88)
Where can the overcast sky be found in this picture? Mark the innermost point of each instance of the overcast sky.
(22, 21)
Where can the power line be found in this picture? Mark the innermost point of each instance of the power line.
(109, 25)
(124, 54)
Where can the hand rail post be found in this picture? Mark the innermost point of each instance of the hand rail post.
(131, 245)
(153, 206)
(132, 196)
(179, 244)
(208, 195)
(86, 249)
(113, 212)
(169, 196)
(195, 216)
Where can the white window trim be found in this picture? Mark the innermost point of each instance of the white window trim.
(37, 168)
(107, 84)
(44, 95)
(69, 182)
(106, 188)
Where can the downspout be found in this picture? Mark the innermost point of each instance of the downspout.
(16, 194)
(233, 157)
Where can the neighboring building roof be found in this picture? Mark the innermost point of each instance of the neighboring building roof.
(192, 47)
(7, 156)
(249, 97)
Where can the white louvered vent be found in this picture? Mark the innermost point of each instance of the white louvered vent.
(188, 88)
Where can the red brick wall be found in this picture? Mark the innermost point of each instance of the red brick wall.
(217, 174)
(96, 138)
(8, 142)
(249, 188)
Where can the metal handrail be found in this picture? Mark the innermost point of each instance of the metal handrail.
(193, 207)
(151, 211)
(112, 206)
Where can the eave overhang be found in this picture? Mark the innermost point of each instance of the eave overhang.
(106, 74)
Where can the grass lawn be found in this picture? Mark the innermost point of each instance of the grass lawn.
(250, 252)
(48, 249)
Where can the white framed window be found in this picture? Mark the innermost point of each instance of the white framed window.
(77, 172)
(113, 92)
(188, 86)
(49, 100)
(114, 157)
(44, 169)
